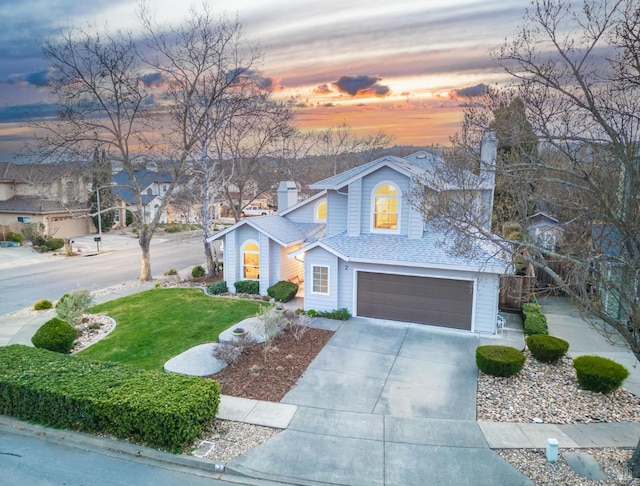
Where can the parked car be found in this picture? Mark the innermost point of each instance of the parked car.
(256, 211)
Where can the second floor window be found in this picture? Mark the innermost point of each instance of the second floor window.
(321, 211)
(386, 207)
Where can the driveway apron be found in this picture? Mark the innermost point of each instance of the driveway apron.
(384, 403)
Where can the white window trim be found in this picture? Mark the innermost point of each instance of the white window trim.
(315, 211)
(242, 250)
(372, 210)
(313, 268)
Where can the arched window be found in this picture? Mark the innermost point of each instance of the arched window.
(149, 192)
(251, 260)
(321, 211)
(386, 208)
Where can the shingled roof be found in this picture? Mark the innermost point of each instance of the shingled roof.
(37, 205)
(26, 173)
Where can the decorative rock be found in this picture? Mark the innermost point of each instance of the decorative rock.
(196, 361)
(584, 465)
(537, 420)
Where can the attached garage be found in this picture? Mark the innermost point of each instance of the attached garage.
(424, 300)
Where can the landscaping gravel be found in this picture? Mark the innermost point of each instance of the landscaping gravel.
(550, 392)
(225, 440)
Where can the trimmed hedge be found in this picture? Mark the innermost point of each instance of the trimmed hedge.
(599, 374)
(341, 314)
(43, 304)
(547, 349)
(283, 291)
(149, 407)
(534, 320)
(247, 287)
(499, 360)
(218, 288)
(55, 335)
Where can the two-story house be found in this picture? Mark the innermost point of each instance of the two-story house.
(152, 187)
(358, 244)
(52, 195)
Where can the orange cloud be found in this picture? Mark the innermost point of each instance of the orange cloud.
(322, 89)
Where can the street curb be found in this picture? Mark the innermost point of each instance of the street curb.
(103, 445)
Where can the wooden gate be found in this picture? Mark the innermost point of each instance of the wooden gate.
(515, 290)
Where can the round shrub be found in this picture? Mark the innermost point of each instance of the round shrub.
(55, 335)
(599, 374)
(198, 271)
(54, 244)
(15, 237)
(499, 360)
(283, 291)
(247, 287)
(43, 304)
(218, 288)
(547, 349)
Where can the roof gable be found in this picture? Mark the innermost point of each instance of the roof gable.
(344, 178)
(303, 203)
(279, 229)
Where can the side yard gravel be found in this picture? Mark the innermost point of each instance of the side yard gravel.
(550, 392)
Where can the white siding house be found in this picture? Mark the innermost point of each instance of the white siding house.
(358, 244)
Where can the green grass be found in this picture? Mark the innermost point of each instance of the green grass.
(156, 325)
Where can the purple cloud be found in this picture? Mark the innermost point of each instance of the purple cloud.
(152, 79)
(36, 78)
(362, 85)
(469, 91)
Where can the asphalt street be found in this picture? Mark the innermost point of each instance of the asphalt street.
(27, 276)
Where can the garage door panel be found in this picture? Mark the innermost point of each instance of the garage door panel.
(435, 301)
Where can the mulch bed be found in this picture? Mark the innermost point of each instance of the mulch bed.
(253, 376)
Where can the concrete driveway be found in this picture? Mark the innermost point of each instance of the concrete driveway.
(384, 403)
(396, 369)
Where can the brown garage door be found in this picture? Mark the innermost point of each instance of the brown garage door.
(435, 301)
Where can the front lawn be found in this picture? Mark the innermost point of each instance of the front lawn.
(156, 325)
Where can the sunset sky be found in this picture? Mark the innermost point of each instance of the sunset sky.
(401, 67)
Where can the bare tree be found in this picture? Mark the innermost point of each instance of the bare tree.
(575, 71)
(340, 149)
(220, 113)
(105, 102)
(248, 146)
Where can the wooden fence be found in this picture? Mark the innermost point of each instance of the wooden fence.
(516, 290)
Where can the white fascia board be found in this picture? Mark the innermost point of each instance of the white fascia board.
(383, 163)
(302, 203)
(313, 245)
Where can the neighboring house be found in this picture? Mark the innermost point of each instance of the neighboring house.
(544, 229)
(619, 285)
(52, 195)
(153, 188)
(358, 244)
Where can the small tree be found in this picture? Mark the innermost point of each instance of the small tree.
(71, 306)
(271, 324)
